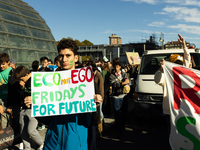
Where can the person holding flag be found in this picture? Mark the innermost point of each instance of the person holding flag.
(160, 78)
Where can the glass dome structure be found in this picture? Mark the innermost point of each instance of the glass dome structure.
(24, 34)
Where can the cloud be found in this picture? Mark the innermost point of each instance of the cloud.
(156, 24)
(108, 31)
(161, 13)
(184, 2)
(186, 28)
(143, 1)
(145, 31)
(182, 13)
(179, 2)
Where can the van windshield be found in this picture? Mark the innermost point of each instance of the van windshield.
(151, 63)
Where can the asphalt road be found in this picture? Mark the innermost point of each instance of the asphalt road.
(140, 134)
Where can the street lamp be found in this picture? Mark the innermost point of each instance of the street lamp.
(162, 39)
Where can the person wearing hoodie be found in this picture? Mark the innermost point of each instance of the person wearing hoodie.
(27, 123)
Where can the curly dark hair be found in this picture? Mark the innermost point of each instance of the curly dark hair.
(68, 43)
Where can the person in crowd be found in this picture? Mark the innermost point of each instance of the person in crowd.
(192, 63)
(27, 123)
(78, 65)
(67, 132)
(50, 62)
(35, 65)
(100, 64)
(57, 63)
(96, 120)
(52, 66)
(110, 67)
(118, 79)
(44, 63)
(159, 77)
(6, 80)
(12, 63)
(106, 106)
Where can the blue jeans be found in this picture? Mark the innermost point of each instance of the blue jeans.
(121, 111)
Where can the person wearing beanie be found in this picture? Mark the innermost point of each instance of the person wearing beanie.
(12, 63)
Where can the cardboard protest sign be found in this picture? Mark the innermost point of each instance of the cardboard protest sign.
(105, 59)
(62, 92)
(183, 88)
(133, 58)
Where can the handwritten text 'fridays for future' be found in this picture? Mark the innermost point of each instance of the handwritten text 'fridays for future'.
(49, 96)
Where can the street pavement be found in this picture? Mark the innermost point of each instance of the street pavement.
(139, 134)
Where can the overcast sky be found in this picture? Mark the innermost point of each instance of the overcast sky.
(132, 20)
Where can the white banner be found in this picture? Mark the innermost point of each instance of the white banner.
(62, 92)
(183, 88)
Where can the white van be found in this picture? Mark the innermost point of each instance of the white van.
(149, 95)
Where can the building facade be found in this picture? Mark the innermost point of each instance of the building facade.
(175, 45)
(24, 34)
(115, 40)
(95, 51)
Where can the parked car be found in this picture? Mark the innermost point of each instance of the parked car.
(148, 95)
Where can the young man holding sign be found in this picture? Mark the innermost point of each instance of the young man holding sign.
(67, 132)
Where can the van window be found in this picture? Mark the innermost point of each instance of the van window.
(151, 63)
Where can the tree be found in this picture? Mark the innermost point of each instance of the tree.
(83, 43)
(86, 42)
(77, 42)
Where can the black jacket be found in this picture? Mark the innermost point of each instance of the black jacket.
(117, 87)
(18, 95)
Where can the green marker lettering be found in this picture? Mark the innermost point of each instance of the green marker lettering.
(66, 94)
(35, 109)
(54, 78)
(34, 96)
(58, 95)
(88, 106)
(93, 105)
(51, 97)
(44, 79)
(73, 91)
(42, 113)
(35, 84)
(75, 105)
(61, 107)
(44, 97)
(80, 89)
(68, 107)
(50, 109)
(82, 106)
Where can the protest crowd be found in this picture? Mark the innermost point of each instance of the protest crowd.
(113, 86)
(112, 81)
